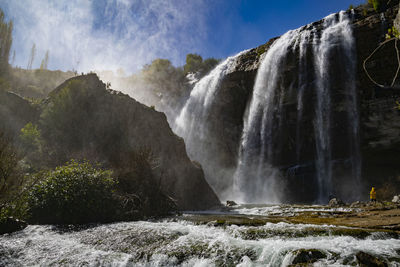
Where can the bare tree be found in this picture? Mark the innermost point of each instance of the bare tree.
(45, 61)
(32, 56)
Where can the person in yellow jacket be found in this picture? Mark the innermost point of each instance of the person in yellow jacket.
(372, 195)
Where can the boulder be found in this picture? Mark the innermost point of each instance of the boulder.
(9, 225)
(230, 203)
(368, 260)
(356, 204)
(335, 202)
(306, 256)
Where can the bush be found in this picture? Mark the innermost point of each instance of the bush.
(10, 177)
(30, 137)
(74, 193)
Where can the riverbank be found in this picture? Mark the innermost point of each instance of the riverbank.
(372, 216)
(244, 235)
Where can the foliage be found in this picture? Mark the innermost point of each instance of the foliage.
(193, 63)
(73, 193)
(30, 137)
(66, 122)
(10, 177)
(392, 33)
(163, 79)
(138, 185)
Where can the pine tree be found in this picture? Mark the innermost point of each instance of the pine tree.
(32, 56)
(45, 61)
(5, 41)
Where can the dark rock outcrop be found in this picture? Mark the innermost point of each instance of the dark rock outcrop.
(102, 125)
(9, 225)
(136, 126)
(15, 112)
(307, 256)
(365, 259)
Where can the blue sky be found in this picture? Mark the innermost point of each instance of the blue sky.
(99, 34)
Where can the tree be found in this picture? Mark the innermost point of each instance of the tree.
(9, 158)
(163, 77)
(193, 63)
(5, 41)
(30, 137)
(45, 61)
(32, 56)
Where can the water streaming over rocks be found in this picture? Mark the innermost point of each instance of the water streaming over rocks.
(194, 123)
(314, 67)
(179, 242)
(256, 178)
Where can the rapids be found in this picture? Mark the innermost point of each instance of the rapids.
(181, 241)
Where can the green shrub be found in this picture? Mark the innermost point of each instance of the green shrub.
(74, 193)
(10, 177)
(30, 137)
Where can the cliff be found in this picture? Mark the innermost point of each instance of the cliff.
(379, 131)
(82, 119)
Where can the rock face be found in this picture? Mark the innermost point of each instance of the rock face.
(365, 259)
(139, 127)
(9, 225)
(103, 125)
(15, 112)
(379, 115)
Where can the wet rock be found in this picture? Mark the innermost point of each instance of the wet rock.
(357, 204)
(365, 259)
(10, 225)
(304, 256)
(396, 199)
(334, 202)
(230, 203)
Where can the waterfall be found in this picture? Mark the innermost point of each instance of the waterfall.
(337, 34)
(308, 72)
(257, 179)
(194, 123)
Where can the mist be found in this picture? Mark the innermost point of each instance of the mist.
(106, 35)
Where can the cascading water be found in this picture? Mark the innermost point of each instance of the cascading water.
(337, 35)
(193, 115)
(194, 123)
(313, 70)
(256, 179)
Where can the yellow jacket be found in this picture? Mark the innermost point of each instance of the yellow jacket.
(372, 194)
